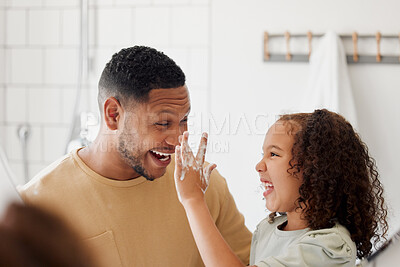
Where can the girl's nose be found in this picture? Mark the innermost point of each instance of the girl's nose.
(260, 167)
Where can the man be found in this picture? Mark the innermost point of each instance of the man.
(119, 192)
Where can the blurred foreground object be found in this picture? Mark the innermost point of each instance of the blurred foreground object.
(31, 237)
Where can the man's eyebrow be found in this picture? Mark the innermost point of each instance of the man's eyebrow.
(166, 111)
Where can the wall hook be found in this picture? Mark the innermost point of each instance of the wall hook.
(309, 36)
(288, 55)
(355, 50)
(266, 51)
(378, 47)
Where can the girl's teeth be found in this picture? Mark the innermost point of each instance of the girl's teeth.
(264, 184)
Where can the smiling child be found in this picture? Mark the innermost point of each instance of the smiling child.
(318, 176)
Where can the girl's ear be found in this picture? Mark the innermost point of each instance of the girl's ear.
(112, 113)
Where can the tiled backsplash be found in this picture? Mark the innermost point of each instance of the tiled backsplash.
(39, 50)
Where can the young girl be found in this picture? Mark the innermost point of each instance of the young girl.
(317, 175)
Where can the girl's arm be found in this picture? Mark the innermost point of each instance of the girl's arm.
(191, 180)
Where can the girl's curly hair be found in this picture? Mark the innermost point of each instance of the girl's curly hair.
(340, 180)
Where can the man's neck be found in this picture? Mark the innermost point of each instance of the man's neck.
(103, 158)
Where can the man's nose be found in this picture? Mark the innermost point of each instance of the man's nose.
(172, 138)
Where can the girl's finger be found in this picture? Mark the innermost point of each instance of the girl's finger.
(187, 154)
(201, 153)
(178, 163)
(180, 139)
(178, 156)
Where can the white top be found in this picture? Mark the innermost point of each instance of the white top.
(326, 247)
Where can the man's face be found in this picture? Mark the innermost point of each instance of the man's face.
(150, 131)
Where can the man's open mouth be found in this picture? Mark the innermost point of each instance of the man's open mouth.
(161, 156)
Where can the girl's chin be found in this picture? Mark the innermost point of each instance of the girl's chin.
(270, 208)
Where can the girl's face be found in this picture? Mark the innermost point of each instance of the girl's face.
(281, 188)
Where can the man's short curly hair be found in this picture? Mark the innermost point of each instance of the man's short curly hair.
(340, 179)
(133, 72)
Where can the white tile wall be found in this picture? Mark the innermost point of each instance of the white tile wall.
(2, 105)
(13, 146)
(197, 122)
(114, 27)
(190, 26)
(35, 168)
(198, 69)
(101, 2)
(61, 66)
(92, 27)
(70, 33)
(133, 2)
(35, 143)
(171, 2)
(99, 58)
(17, 166)
(16, 27)
(24, 3)
(16, 104)
(152, 26)
(2, 65)
(2, 137)
(44, 27)
(55, 140)
(44, 105)
(61, 3)
(67, 104)
(3, 3)
(200, 2)
(39, 65)
(94, 107)
(24, 66)
(180, 56)
(2, 26)
(18, 170)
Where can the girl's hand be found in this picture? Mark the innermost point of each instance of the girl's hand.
(191, 176)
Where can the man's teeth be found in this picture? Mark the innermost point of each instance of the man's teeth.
(161, 154)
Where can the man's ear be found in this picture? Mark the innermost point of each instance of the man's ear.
(112, 113)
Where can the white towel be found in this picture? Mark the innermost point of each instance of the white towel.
(329, 83)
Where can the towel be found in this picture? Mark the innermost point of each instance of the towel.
(329, 83)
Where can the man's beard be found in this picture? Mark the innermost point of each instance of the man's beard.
(132, 160)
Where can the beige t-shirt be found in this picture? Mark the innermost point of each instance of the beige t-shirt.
(135, 222)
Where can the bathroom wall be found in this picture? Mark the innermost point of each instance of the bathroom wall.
(235, 95)
(254, 91)
(39, 49)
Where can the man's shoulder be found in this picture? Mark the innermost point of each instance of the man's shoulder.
(217, 180)
(47, 177)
